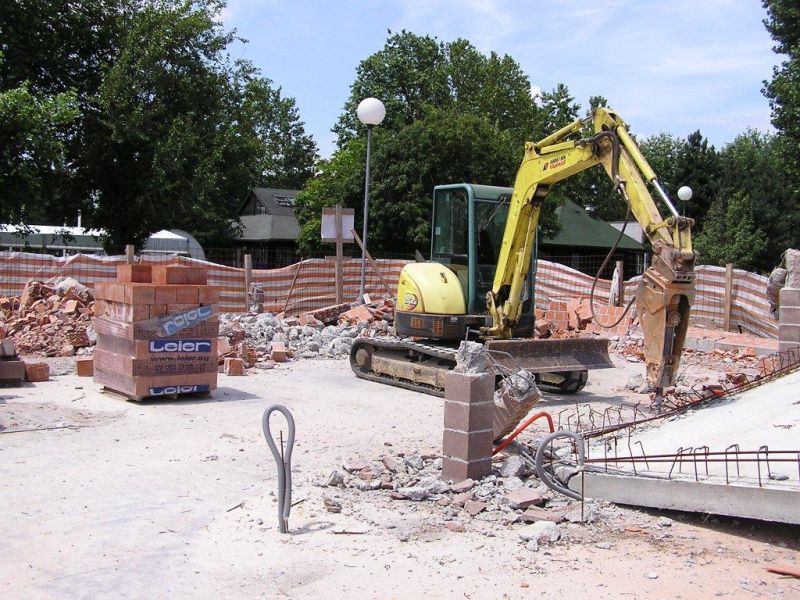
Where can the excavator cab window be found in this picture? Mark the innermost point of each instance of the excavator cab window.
(450, 231)
(490, 222)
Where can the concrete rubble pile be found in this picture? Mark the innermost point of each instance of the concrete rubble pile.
(49, 319)
(328, 332)
(511, 495)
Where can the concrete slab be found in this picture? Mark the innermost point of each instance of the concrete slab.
(767, 503)
(706, 340)
(763, 485)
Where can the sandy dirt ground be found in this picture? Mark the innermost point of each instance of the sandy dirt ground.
(111, 499)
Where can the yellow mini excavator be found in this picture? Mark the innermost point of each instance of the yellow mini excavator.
(477, 284)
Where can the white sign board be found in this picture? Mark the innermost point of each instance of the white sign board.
(329, 224)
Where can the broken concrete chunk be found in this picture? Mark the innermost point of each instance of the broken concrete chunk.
(590, 513)
(513, 466)
(415, 462)
(336, 478)
(635, 382)
(331, 505)
(393, 464)
(533, 514)
(471, 358)
(542, 532)
(460, 499)
(426, 487)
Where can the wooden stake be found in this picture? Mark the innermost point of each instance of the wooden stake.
(339, 256)
(621, 283)
(726, 323)
(371, 261)
(248, 279)
(291, 287)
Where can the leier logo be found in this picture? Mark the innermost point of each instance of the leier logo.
(177, 389)
(180, 346)
(172, 324)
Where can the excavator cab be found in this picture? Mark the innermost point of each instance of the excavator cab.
(468, 225)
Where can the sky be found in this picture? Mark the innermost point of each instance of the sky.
(670, 66)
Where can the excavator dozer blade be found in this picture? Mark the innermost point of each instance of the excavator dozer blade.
(551, 356)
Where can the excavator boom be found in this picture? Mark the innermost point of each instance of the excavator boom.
(666, 290)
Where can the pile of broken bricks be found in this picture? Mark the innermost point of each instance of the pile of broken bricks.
(49, 319)
(574, 318)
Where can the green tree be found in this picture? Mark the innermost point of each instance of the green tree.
(559, 109)
(453, 115)
(34, 129)
(444, 147)
(722, 242)
(753, 164)
(783, 90)
(171, 133)
(698, 166)
(413, 75)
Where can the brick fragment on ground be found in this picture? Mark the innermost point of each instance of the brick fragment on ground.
(37, 371)
(278, 352)
(474, 507)
(523, 498)
(85, 366)
(233, 366)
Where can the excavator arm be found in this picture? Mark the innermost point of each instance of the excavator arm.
(666, 290)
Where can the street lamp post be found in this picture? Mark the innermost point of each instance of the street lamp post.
(370, 112)
(684, 195)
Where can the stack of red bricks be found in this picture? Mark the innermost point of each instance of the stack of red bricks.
(157, 331)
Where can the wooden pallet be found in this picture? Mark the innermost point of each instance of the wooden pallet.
(166, 397)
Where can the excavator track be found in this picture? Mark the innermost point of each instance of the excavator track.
(422, 367)
(370, 345)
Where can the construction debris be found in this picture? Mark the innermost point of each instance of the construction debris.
(49, 319)
(498, 498)
(325, 333)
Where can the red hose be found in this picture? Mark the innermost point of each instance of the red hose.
(502, 445)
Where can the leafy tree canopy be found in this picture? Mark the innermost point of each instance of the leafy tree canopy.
(720, 242)
(171, 132)
(783, 90)
(33, 128)
(453, 115)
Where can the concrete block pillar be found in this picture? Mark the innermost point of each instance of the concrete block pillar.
(468, 432)
(789, 319)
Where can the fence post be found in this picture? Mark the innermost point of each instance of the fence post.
(129, 254)
(339, 256)
(620, 268)
(248, 279)
(726, 319)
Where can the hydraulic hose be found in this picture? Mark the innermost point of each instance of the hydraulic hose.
(542, 473)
